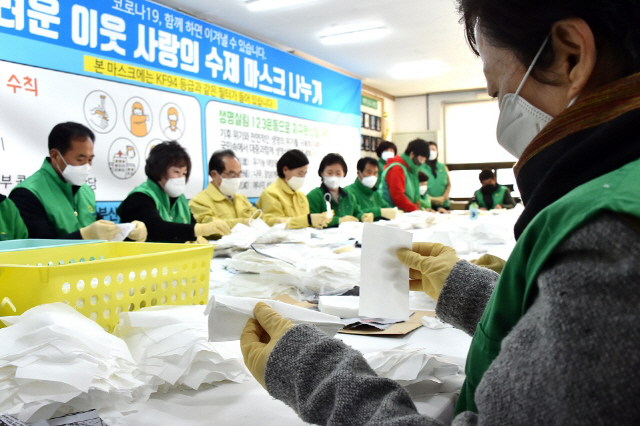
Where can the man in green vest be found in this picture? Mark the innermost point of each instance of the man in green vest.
(56, 202)
(12, 226)
(491, 195)
(400, 185)
(366, 193)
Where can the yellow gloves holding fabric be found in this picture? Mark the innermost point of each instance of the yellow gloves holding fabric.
(139, 233)
(216, 227)
(367, 218)
(319, 220)
(490, 262)
(259, 337)
(100, 230)
(430, 265)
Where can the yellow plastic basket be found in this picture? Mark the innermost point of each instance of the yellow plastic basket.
(103, 279)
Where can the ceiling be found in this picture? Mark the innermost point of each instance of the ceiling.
(420, 30)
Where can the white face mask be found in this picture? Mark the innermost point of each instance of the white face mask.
(519, 121)
(229, 187)
(332, 182)
(433, 155)
(175, 187)
(75, 175)
(423, 190)
(369, 181)
(386, 155)
(295, 182)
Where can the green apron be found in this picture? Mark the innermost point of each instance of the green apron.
(498, 197)
(66, 211)
(369, 199)
(516, 289)
(11, 225)
(178, 213)
(436, 185)
(347, 206)
(412, 184)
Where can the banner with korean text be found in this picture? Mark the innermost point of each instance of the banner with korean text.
(138, 73)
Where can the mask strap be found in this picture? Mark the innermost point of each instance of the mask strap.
(535, 59)
(254, 216)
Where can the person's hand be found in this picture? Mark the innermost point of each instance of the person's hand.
(319, 220)
(388, 213)
(443, 210)
(259, 337)
(198, 240)
(437, 200)
(139, 233)
(490, 261)
(430, 264)
(100, 230)
(344, 219)
(367, 218)
(483, 209)
(498, 207)
(216, 227)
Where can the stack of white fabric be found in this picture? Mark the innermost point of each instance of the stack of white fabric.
(419, 372)
(54, 360)
(311, 269)
(170, 345)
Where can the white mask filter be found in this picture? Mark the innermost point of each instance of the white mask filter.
(175, 187)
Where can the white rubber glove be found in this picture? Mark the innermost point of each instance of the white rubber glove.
(139, 233)
(217, 227)
(100, 230)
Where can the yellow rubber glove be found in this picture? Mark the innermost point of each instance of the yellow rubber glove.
(367, 218)
(490, 261)
(198, 240)
(319, 220)
(437, 200)
(344, 219)
(430, 264)
(259, 337)
(388, 213)
(139, 233)
(217, 227)
(100, 230)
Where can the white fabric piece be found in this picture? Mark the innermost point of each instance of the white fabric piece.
(254, 285)
(434, 323)
(419, 372)
(242, 236)
(340, 306)
(124, 231)
(228, 315)
(384, 292)
(55, 360)
(171, 348)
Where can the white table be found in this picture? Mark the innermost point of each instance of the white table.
(248, 403)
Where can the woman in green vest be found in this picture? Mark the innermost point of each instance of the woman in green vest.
(557, 333)
(12, 226)
(160, 202)
(385, 151)
(344, 205)
(439, 182)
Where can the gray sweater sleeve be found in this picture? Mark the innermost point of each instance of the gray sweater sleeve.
(574, 357)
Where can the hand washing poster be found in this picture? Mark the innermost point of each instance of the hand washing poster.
(138, 74)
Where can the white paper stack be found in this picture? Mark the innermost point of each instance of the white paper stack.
(242, 236)
(170, 345)
(53, 360)
(419, 372)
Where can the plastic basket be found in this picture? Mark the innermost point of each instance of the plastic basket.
(103, 279)
(15, 245)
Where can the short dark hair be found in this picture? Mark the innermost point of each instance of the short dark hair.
(216, 162)
(362, 163)
(291, 159)
(423, 177)
(163, 156)
(521, 26)
(418, 147)
(63, 134)
(486, 174)
(385, 145)
(331, 159)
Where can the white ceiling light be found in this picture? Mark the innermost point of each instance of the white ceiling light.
(415, 70)
(353, 33)
(259, 5)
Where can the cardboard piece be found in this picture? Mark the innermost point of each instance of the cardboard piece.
(399, 329)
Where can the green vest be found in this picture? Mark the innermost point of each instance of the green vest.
(381, 164)
(436, 185)
(498, 197)
(178, 213)
(347, 206)
(516, 289)
(425, 201)
(11, 225)
(369, 199)
(412, 184)
(66, 211)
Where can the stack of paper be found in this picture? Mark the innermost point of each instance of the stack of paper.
(53, 360)
(242, 236)
(170, 346)
(419, 372)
